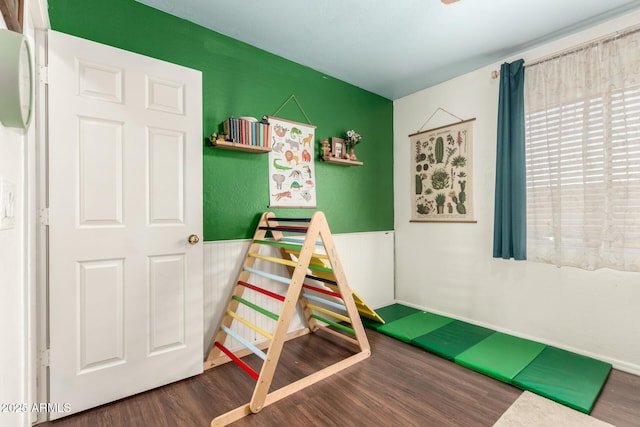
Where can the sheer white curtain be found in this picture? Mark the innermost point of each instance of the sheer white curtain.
(583, 156)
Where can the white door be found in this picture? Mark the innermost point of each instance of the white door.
(125, 194)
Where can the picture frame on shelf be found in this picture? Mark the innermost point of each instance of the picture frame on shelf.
(338, 147)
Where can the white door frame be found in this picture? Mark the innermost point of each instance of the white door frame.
(41, 359)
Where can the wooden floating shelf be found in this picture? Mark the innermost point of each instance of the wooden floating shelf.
(228, 145)
(343, 162)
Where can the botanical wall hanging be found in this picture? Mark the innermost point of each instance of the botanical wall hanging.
(291, 164)
(442, 174)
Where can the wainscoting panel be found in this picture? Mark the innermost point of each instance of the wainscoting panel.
(367, 259)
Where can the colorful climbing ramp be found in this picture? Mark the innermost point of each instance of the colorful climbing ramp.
(316, 281)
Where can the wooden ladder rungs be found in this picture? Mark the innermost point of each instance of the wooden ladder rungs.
(314, 301)
(273, 259)
(238, 361)
(261, 290)
(286, 228)
(250, 325)
(255, 350)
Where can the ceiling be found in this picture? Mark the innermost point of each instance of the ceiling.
(395, 47)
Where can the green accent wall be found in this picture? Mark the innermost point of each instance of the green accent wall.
(241, 80)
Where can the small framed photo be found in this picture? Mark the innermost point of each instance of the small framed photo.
(338, 147)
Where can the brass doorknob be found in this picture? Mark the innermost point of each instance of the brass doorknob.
(193, 239)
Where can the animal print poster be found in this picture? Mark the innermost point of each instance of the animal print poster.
(292, 178)
(442, 174)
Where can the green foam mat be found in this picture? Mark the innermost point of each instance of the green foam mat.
(568, 378)
(389, 313)
(452, 339)
(409, 327)
(500, 356)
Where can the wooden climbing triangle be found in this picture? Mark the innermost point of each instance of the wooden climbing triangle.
(316, 281)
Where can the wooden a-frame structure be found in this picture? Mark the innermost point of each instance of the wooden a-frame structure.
(306, 267)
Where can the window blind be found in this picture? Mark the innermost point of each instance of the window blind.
(583, 178)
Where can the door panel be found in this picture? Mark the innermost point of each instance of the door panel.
(101, 333)
(100, 172)
(166, 171)
(166, 318)
(125, 192)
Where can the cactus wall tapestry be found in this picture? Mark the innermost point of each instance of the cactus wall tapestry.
(292, 177)
(442, 174)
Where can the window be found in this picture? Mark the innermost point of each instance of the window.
(582, 124)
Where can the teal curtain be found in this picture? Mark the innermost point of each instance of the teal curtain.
(510, 215)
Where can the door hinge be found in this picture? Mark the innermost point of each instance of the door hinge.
(43, 74)
(44, 216)
(44, 357)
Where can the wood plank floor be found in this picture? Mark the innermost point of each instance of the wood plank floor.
(399, 385)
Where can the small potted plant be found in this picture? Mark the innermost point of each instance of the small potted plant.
(353, 138)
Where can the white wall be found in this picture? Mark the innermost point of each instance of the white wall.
(13, 288)
(449, 269)
(18, 359)
(14, 386)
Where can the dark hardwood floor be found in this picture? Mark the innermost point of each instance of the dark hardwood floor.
(399, 385)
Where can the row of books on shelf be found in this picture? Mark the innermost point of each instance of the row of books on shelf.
(247, 132)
